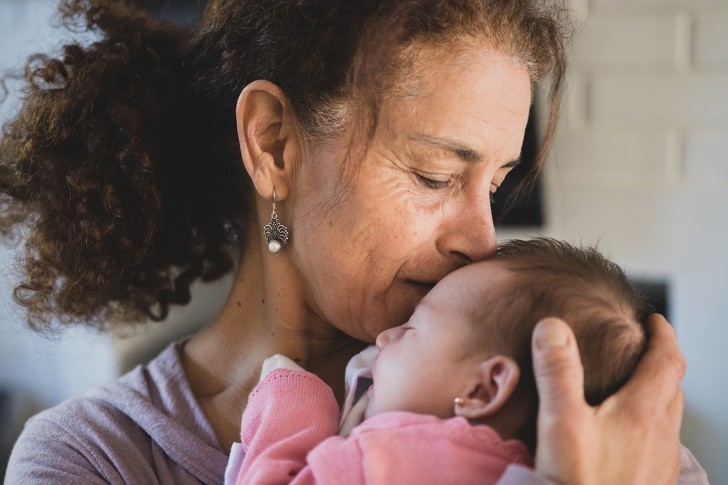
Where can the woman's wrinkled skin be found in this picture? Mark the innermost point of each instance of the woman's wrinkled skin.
(419, 203)
(364, 250)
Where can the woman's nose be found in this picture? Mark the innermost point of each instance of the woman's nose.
(469, 233)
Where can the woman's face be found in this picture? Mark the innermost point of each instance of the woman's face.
(418, 206)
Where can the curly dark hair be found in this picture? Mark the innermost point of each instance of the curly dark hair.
(123, 162)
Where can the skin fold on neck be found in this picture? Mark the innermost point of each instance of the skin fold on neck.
(264, 314)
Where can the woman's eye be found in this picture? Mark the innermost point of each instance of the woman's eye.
(434, 184)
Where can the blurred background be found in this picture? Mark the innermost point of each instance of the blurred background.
(640, 168)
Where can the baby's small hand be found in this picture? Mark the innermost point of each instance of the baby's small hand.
(278, 361)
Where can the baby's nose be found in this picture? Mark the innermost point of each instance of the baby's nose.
(384, 337)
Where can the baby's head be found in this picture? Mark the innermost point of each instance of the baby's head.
(466, 349)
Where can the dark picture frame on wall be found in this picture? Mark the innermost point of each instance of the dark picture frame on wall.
(527, 210)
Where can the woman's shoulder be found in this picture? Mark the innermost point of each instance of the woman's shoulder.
(121, 405)
(146, 427)
(83, 438)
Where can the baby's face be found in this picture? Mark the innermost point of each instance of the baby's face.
(426, 363)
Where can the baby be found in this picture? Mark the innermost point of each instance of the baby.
(453, 398)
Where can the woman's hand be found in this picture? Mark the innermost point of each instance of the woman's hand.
(632, 437)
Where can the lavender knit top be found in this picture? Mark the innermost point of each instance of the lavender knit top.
(145, 428)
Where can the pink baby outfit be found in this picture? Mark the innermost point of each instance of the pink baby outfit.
(289, 434)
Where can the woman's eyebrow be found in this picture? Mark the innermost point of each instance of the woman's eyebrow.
(458, 149)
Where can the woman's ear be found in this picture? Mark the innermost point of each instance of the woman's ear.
(493, 385)
(267, 134)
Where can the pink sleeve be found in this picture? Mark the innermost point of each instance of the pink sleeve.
(288, 414)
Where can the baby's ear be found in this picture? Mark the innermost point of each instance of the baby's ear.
(496, 381)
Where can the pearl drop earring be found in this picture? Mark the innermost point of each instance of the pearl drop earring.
(276, 234)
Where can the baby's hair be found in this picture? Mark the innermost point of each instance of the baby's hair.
(579, 285)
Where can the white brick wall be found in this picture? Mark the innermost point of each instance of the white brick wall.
(711, 40)
(611, 41)
(641, 166)
(615, 157)
(653, 5)
(706, 158)
(664, 99)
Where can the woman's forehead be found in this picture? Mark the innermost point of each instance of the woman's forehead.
(474, 98)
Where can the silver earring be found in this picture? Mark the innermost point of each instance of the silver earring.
(276, 234)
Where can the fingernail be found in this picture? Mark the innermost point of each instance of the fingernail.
(550, 334)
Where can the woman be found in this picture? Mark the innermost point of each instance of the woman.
(375, 132)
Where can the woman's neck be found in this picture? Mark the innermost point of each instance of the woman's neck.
(264, 314)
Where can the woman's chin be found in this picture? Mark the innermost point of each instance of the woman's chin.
(389, 310)
(400, 305)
